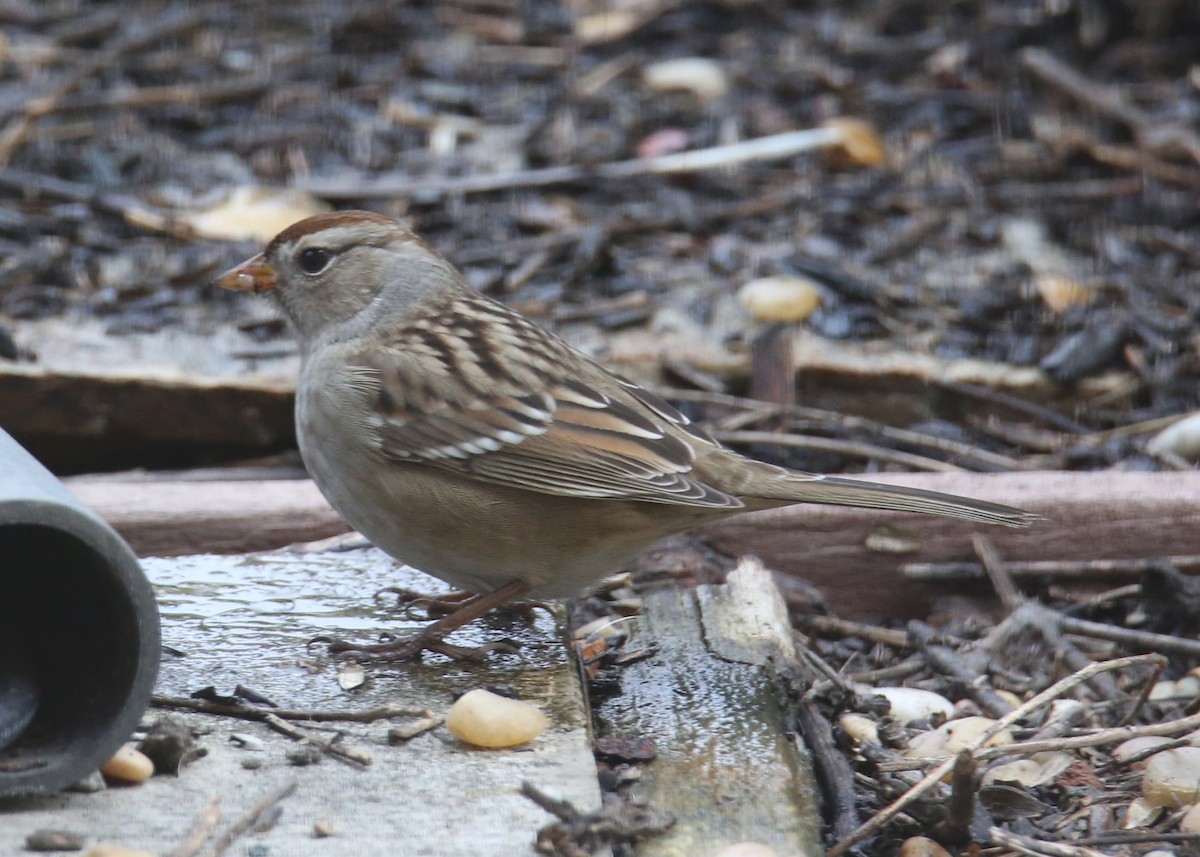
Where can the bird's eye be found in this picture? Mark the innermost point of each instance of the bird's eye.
(314, 260)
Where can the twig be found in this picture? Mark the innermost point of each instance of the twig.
(842, 447)
(1039, 847)
(560, 808)
(1014, 403)
(1115, 735)
(326, 745)
(965, 670)
(190, 95)
(1129, 637)
(203, 826)
(997, 572)
(249, 712)
(252, 816)
(835, 627)
(133, 212)
(1156, 136)
(985, 458)
(934, 777)
(1065, 569)
(773, 147)
(961, 806)
(832, 769)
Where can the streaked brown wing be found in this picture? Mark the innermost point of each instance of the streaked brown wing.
(524, 418)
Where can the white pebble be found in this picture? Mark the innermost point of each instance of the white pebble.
(1180, 438)
(1038, 770)
(859, 727)
(700, 76)
(1172, 777)
(955, 735)
(911, 703)
(922, 846)
(780, 298)
(485, 719)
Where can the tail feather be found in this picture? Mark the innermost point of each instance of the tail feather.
(838, 491)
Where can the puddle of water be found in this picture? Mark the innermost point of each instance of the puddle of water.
(248, 620)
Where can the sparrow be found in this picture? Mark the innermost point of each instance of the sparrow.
(467, 441)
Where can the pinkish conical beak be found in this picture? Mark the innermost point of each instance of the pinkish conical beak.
(253, 275)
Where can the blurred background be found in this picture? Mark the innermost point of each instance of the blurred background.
(989, 261)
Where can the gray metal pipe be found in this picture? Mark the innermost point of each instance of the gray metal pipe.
(79, 633)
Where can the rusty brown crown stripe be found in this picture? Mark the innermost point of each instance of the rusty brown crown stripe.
(319, 222)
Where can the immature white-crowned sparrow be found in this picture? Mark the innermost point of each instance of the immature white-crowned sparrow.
(465, 440)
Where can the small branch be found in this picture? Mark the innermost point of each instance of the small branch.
(842, 447)
(249, 712)
(203, 827)
(984, 458)
(997, 572)
(961, 807)
(326, 745)
(251, 818)
(1159, 137)
(1098, 738)
(771, 148)
(1039, 847)
(1063, 569)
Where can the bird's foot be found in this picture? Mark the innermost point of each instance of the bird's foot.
(444, 604)
(411, 647)
(430, 638)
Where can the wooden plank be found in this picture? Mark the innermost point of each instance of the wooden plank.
(176, 518)
(725, 768)
(1087, 516)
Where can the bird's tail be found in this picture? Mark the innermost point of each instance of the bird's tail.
(799, 487)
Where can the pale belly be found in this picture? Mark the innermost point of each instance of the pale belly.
(559, 545)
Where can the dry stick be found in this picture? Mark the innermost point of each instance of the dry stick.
(843, 447)
(773, 147)
(1156, 136)
(961, 807)
(135, 213)
(966, 670)
(833, 626)
(248, 712)
(997, 572)
(984, 457)
(201, 831)
(182, 95)
(903, 669)
(1130, 637)
(1040, 848)
(264, 805)
(831, 768)
(1115, 735)
(1065, 569)
(1034, 615)
(1015, 404)
(326, 745)
(934, 777)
